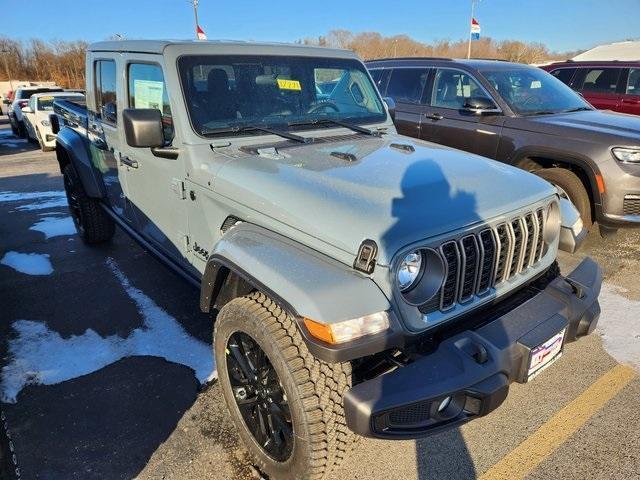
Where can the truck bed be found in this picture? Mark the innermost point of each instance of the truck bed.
(72, 113)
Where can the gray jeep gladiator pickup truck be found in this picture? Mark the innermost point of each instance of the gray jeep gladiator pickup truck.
(365, 283)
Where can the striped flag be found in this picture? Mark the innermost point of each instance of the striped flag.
(475, 29)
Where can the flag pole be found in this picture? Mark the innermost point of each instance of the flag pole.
(195, 15)
(473, 4)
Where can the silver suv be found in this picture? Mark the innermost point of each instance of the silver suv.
(361, 282)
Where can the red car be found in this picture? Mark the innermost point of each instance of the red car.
(606, 85)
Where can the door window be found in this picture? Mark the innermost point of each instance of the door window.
(601, 80)
(147, 89)
(453, 87)
(106, 97)
(407, 84)
(633, 83)
(564, 74)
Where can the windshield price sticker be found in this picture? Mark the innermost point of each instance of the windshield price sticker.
(289, 84)
(148, 93)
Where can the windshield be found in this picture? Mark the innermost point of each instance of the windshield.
(530, 91)
(46, 103)
(227, 92)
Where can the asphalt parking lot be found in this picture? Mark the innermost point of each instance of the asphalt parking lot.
(107, 367)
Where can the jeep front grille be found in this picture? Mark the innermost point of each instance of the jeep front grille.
(477, 262)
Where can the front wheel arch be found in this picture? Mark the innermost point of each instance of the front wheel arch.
(535, 163)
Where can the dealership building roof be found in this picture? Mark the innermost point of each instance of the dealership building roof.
(622, 51)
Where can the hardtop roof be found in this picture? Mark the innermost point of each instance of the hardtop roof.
(217, 47)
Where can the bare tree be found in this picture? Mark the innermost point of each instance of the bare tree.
(370, 45)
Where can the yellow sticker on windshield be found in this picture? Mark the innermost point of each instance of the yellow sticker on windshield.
(47, 98)
(289, 84)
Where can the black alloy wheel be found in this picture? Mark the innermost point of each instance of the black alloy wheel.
(260, 396)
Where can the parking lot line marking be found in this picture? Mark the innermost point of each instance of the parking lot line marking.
(559, 428)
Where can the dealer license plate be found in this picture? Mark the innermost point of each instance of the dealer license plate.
(545, 354)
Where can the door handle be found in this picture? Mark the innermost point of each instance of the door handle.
(434, 116)
(632, 101)
(128, 162)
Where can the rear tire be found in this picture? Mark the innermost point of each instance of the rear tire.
(313, 390)
(571, 185)
(93, 224)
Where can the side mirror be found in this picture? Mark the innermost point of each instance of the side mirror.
(6, 101)
(26, 110)
(143, 127)
(391, 106)
(55, 123)
(480, 106)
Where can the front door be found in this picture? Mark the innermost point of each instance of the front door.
(155, 184)
(447, 123)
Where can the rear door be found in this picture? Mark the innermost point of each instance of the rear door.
(447, 123)
(155, 184)
(105, 141)
(630, 99)
(406, 86)
(599, 85)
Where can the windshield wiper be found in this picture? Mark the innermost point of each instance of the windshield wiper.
(256, 128)
(577, 109)
(350, 126)
(541, 112)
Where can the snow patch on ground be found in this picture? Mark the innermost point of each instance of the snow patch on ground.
(54, 226)
(29, 263)
(38, 200)
(619, 326)
(38, 355)
(9, 196)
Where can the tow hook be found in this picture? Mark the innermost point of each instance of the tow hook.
(579, 289)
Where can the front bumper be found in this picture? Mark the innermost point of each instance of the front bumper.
(474, 368)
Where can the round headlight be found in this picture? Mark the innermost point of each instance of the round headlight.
(409, 270)
(420, 275)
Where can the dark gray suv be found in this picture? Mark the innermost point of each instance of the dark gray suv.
(523, 116)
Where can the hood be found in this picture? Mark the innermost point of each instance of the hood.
(390, 196)
(597, 125)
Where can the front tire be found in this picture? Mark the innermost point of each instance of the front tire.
(572, 187)
(92, 222)
(22, 130)
(306, 393)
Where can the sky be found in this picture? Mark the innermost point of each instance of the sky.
(562, 25)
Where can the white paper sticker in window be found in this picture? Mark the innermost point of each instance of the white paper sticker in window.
(148, 93)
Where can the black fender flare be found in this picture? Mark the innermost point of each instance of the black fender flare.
(304, 282)
(71, 148)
